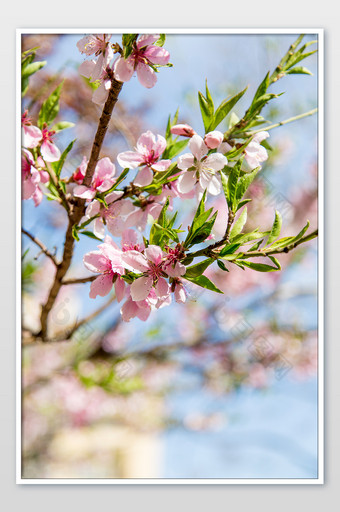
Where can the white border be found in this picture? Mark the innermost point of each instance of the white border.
(178, 481)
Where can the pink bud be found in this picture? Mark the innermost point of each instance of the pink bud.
(213, 139)
(182, 129)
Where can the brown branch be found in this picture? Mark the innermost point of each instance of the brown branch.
(79, 280)
(77, 210)
(41, 246)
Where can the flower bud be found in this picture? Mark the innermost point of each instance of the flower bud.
(182, 129)
(213, 139)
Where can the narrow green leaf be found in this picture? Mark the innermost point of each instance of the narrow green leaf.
(57, 166)
(224, 109)
(259, 267)
(245, 182)
(62, 126)
(238, 225)
(198, 268)
(50, 107)
(32, 68)
(204, 282)
(276, 229)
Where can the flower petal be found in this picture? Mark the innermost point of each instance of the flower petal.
(141, 287)
(101, 286)
(186, 182)
(146, 75)
(144, 177)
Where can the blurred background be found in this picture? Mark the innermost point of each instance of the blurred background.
(224, 386)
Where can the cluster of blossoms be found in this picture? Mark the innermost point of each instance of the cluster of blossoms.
(150, 264)
(33, 165)
(144, 58)
(156, 273)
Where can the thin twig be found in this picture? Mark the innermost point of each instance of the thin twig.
(281, 123)
(41, 246)
(79, 280)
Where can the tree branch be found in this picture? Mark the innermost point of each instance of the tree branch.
(78, 208)
(41, 246)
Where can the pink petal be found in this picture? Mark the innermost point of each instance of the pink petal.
(129, 310)
(162, 287)
(130, 159)
(157, 55)
(215, 161)
(144, 177)
(154, 253)
(186, 182)
(180, 295)
(98, 228)
(146, 75)
(162, 165)
(105, 168)
(146, 40)
(86, 68)
(100, 95)
(185, 161)
(95, 261)
(83, 192)
(146, 143)
(260, 136)
(197, 147)
(101, 286)
(32, 136)
(141, 287)
(120, 289)
(115, 225)
(123, 69)
(49, 151)
(134, 260)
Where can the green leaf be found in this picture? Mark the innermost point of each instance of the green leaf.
(259, 267)
(229, 249)
(299, 71)
(75, 232)
(207, 108)
(232, 185)
(262, 88)
(224, 109)
(120, 178)
(161, 40)
(245, 182)
(50, 107)
(90, 235)
(62, 125)
(32, 68)
(222, 266)
(174, 149)
(276, 229)
(57, 166)
(238, 225)
(242, 203)
(198, 268)
(204, 282)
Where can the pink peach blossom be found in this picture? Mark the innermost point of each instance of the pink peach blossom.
(114, 216)
(49, 151)
(149, 148)
(31, 178)
(255, 154)
(102, 180)
(108, 263)
(142, 59)
(151, 265)
(97, 44)
(31, 134)
(200, 168)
